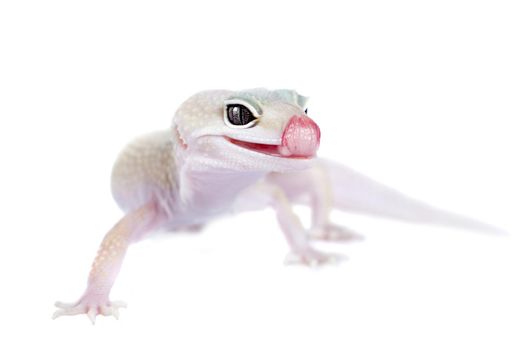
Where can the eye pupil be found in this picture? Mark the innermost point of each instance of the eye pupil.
(239, 115)
(235, 116)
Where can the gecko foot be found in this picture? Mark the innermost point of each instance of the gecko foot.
(91, 306)
(313, 258)
(333, 232)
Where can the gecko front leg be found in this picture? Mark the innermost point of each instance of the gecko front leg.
(95, 300)
(312, 187)
(296, 236)
(321, 203)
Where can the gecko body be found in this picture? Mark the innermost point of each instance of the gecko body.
(231, 151)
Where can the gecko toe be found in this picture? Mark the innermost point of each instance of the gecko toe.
(313, 258)
(335, 233)
(68, 310)
(115, 313)
(62, 305)
(119, 304)
(90, 306)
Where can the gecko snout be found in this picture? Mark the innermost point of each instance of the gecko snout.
(301, 137)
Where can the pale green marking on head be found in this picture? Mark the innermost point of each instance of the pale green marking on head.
(259, 96)
(291, 96)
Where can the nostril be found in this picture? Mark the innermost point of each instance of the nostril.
(301, 137)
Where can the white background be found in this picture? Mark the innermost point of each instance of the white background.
(426, 97)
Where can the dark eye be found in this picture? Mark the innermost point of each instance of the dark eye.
(306, 111)
(239, 115)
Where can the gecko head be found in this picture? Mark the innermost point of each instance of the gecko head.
(256, 124)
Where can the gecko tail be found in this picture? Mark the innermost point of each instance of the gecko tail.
(355, 192)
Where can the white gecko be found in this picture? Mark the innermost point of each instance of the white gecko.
(230, 151)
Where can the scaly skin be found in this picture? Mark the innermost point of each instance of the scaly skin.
(205, 166)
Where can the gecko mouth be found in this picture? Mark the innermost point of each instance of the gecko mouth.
(299, 140)
(271, 150)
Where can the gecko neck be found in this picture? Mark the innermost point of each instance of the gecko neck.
(210, 182)
(213, 191)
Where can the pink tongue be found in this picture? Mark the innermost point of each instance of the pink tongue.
(300, 138)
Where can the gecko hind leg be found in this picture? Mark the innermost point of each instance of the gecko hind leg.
(95, 300)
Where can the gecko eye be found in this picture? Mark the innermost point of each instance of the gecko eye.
(306, 111)
(239, 116)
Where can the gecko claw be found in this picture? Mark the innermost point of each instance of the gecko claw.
(57, 314)
(92, 315)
